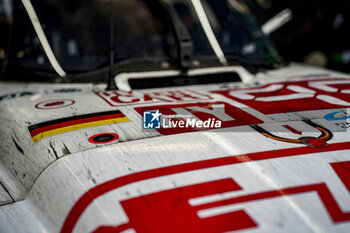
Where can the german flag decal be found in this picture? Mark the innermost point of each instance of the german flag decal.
(54, 127)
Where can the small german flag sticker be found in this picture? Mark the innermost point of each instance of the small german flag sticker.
(64, 125)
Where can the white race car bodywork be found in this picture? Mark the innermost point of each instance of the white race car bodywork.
(234, 179)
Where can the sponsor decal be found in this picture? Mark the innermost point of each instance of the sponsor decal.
(103, 138)
(67, 90)
(172, 119)
(150, 213)
(54, 104)
(155, 212)
(64, 125)
(16, 95)
(120, 98)
(332, 117)
(294, 96)
(325, 136)
(31, 93)
(343, 125)
(291, 129)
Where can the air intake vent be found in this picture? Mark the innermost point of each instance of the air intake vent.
(183, 80)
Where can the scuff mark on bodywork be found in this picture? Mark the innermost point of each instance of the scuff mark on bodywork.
(65, 150)
(53, 149)
(17, 146)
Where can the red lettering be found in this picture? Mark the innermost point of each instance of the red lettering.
(118, 98)
(294, 96)
(171, 210)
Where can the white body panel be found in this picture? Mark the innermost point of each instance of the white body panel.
(65, 183)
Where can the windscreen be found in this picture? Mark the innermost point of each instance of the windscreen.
(231, 30)
(79, 33)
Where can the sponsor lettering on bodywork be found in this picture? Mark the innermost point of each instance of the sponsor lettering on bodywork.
(210, 206)
(294, 96)
(120, 98)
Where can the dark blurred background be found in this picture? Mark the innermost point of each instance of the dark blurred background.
(318, 32)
